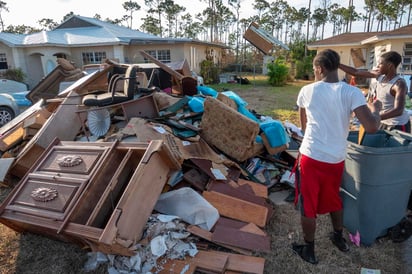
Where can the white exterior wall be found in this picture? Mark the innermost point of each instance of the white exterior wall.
(36, 62)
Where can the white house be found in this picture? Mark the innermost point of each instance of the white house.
(363, 49)
(84, 41)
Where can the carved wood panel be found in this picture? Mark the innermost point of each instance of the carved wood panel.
(49, 197)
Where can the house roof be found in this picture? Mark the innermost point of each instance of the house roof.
(11, 39)
(345, 39)
(361, 38)
(81, 31)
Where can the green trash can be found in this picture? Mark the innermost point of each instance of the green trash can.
(376, 183)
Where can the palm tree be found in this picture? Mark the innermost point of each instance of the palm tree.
(319, 18)
(156, 7)
(307, 27)
(260, 6)
(351, 9)
(131, 7)
(236, 5)
(172, 11)
(3, 7)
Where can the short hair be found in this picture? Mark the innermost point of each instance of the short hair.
(392, 57)
(329, 59)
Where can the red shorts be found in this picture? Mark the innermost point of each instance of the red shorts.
(317, 187)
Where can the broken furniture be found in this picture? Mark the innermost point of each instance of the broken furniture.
(63, 124)
(97, 120)
(185, 85)
(229, 131)
(262, 40)
(51, 85)
(98, 194)
(216, 262)
(114, 94)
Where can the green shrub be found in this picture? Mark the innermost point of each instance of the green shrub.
(304, 68)
(15, 75)
(209, 72)
(278, 72)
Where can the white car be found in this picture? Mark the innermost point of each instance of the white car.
(12, 100)
(8, 108)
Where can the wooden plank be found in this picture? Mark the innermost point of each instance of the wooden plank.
(196, 179)
(212, 261)
(252, 228)
(246, 240)
(244, 264)
(227, 189)
(223, 221)
(258, 189)
(12, 137)
(237, 209)
(207, 235)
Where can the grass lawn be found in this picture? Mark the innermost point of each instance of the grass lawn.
(277, 102)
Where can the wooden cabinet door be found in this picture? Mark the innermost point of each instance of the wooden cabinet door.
(46, 196)
(57, 182)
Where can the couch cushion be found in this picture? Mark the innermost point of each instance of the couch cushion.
(229, 131)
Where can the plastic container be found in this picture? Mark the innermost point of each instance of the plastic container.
(196, 104)
(376, 183)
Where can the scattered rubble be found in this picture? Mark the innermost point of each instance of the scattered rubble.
(100, 174)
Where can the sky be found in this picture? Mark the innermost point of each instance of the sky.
(28, 12)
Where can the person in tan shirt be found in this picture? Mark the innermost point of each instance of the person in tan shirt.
(391, 89)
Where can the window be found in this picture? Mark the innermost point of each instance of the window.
(161, 55)
(375, 54)
(3, 61)
(407, 57)
(96, 57)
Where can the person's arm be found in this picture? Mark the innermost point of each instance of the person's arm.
(357, 72)
(303, 119)
(398, 90)
(410, 84)
(369, 117)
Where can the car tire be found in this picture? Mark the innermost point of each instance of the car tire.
(6, 115)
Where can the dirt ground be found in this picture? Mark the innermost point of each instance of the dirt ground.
(29, 253)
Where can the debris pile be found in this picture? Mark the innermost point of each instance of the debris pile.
(107, 171)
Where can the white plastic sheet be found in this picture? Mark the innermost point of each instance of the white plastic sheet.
(188, 205)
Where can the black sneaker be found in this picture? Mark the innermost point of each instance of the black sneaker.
(339, 242)
(402, 231)
(306, 252)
